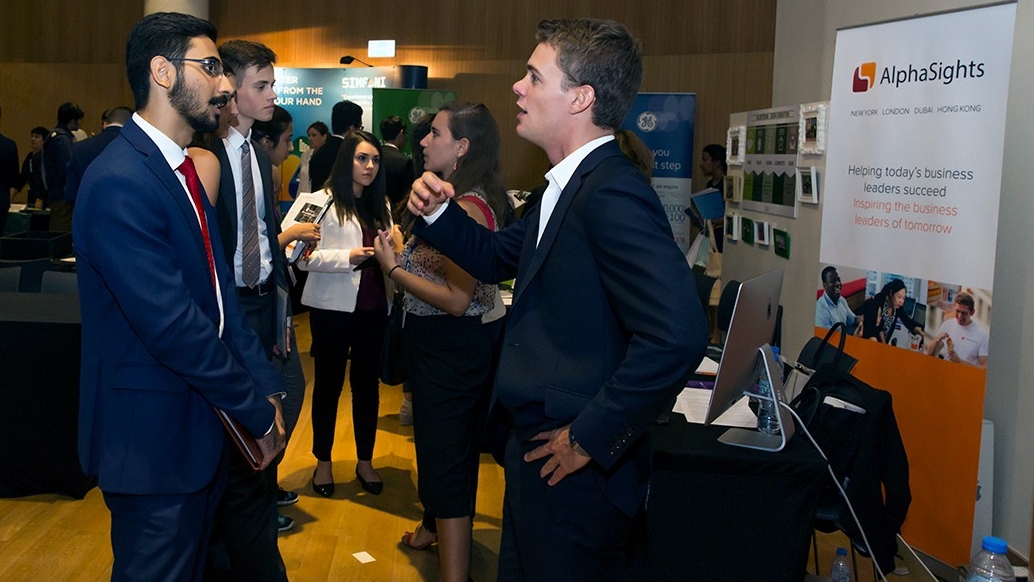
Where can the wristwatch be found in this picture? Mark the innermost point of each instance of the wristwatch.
(574, 444)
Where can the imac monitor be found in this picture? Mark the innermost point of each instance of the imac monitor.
(752, 326)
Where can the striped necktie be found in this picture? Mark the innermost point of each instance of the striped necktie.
(249, 221)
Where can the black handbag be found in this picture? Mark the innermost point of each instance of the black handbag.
(816, 352)
(393, 365)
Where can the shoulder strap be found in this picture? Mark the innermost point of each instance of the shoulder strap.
(483, 206)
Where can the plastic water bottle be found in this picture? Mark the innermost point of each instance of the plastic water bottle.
(768, 409)
(990, 564)
(840, 571)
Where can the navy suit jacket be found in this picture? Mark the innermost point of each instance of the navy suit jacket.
(83, 153)
(605, 328)
(153, 362)
(226, 212)
(398, 174)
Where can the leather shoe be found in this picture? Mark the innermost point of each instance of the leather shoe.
(372, 487)
(324, 490)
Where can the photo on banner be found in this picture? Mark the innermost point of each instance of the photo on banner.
(953, 320)
(910, 199)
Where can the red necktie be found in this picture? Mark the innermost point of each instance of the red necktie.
(194, 185)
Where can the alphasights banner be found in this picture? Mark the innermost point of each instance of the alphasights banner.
(917, 123)
(910, 215)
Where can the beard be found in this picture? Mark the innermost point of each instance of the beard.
(192, 108)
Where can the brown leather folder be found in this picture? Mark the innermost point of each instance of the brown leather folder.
(242, 438)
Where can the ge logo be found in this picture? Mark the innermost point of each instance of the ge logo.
(415, 114)
(646, 121)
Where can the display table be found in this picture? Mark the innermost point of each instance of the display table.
(40, 348)
(718, 512)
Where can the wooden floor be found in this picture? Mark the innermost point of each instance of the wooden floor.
(50, 538)
(53, 538)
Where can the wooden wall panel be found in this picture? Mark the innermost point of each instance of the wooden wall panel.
(722, 50)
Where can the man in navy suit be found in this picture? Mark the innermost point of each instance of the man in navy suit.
(84, 152)
(164, 338)
(604, 328)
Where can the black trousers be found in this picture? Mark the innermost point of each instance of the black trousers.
(334, 333)
(244, 539)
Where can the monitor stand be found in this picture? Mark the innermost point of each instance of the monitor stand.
(752, 439)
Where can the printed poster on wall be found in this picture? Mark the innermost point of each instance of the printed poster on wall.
(665, 123)
(309, 95)
(909, 223)
(770, 160)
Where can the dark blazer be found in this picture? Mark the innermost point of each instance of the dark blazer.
(604, 330)
(226, 210)
(9, 173)
(56, 150)
(398, 174)
(322, 162)
(8, 176)
(83, 153)
(153, 361)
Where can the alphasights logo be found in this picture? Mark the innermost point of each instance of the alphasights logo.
(864, 77)
(944, 72)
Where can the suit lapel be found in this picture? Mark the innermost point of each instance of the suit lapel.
(268, 193)
(227, 192)
(539, 253)
(157, 163)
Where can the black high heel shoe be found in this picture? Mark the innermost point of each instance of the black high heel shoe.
(372, 487)
(325, 490)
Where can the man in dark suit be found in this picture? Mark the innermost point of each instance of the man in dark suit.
(84, 152)
(245, 535)
(56, 151)
(397, 166)
(604, 329)
(8, 176)
(345, 118)
(164, 338)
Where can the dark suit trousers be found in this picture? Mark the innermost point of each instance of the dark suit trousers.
(162, 537)
(569, 531)
(260, 313)
(60, 216)
(244, 539)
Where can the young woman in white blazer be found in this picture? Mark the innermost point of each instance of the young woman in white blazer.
(348, 308)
